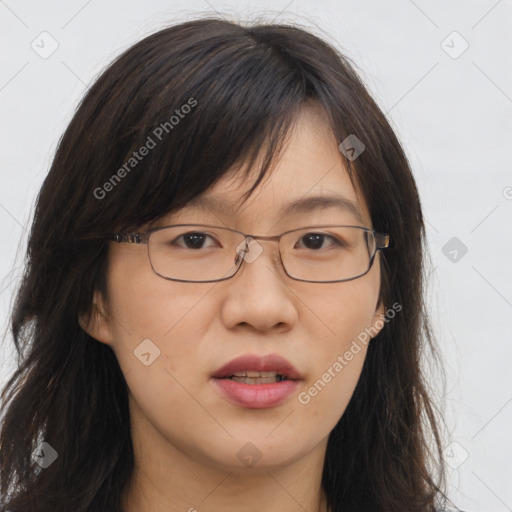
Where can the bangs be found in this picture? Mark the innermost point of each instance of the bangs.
(203, 106)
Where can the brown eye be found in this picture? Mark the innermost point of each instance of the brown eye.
(193, 240)
(316, 241)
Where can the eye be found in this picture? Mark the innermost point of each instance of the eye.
(192, 240)
(315, 240)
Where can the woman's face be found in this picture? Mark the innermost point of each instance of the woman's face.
(194, 329)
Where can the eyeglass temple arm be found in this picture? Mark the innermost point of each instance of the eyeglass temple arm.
(130, 238)
(382, 240)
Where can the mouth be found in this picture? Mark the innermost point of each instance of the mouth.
(257, 382)
(253, 369)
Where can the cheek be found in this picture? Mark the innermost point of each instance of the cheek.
(340, 313)
(157, 330)
(173, 316)
(338, 335)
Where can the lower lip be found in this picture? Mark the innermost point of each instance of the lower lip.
(256, 396)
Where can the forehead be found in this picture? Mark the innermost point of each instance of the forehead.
(309, 177)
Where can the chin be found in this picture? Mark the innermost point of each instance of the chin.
(248, 454)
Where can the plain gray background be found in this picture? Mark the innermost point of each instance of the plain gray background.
(442, 73)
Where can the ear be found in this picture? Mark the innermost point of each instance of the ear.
(97, 324)
(378, 321)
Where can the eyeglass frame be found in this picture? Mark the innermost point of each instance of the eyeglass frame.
(382, 241)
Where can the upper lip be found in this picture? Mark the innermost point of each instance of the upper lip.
(268, 363)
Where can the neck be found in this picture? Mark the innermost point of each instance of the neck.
(228, 492)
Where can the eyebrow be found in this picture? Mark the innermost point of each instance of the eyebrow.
(301, 205)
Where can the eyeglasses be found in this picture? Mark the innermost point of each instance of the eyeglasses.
(203, 253)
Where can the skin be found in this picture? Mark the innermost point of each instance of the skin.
(186, 436)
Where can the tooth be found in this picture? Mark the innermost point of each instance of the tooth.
(254, 374)
(257, 380)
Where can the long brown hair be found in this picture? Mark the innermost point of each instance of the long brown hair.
(248, 84)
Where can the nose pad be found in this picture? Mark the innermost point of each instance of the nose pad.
(249, 250)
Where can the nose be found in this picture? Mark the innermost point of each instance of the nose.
(258, 294)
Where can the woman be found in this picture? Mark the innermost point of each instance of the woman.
(222, 307)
